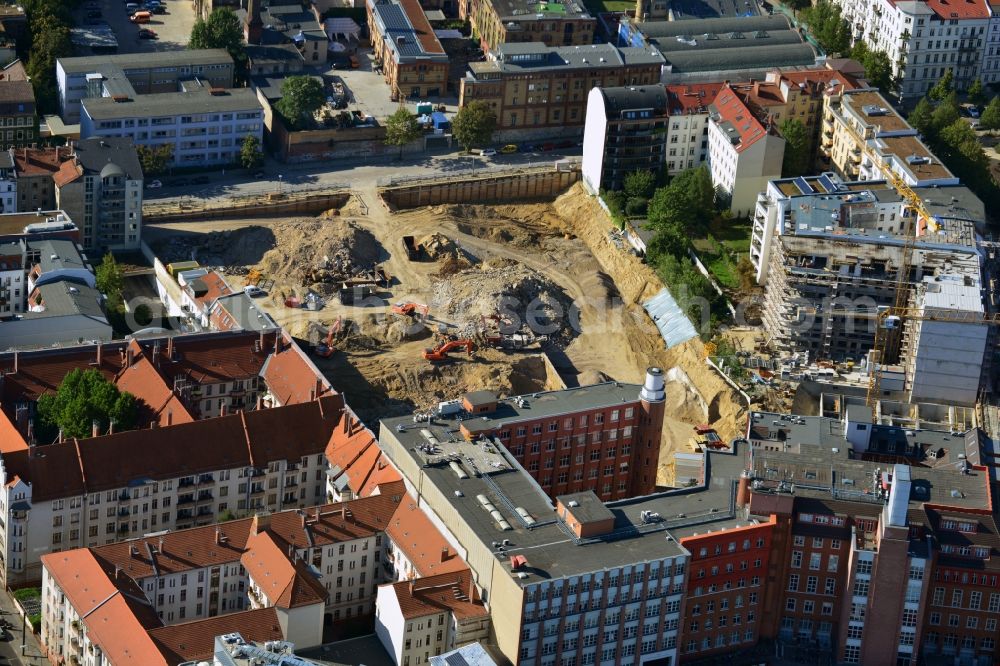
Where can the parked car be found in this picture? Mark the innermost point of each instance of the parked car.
(154, 184)
(254, 291)
(131, 7)
(484, 152)
(509, 148)
(141, 17)
(159, 9)
(201, 180)
(146, 33)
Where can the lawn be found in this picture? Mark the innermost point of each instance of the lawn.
(734, 234)
(598, 6)
(721, 248)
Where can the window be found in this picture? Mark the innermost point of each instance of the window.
(852, 654)
(815, 560)
(793, 583)
(811, 583)
(861, 588)
(796, 559)
(832, 562)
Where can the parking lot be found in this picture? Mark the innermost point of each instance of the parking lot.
(173, 29)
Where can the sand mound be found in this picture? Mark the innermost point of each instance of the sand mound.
(218, 248)
(317, 251)
(517, 293)
(439, 246)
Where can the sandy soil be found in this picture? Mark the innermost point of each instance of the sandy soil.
(558, 252)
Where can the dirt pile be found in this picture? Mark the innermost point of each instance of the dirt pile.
(438, 247)
(217, 248)
(318, 253)
(502, 286)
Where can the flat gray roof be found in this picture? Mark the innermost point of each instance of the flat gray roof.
(812, 454)
(57, 255)
(540, 11)
(128, 62)
(67, 298)
(245, 312)
(525, 56)
(757, 56)
(173, 104)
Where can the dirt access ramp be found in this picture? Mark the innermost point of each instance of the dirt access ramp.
(723, 407)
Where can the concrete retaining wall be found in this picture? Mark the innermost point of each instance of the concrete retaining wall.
(299, 205)
(504, 187)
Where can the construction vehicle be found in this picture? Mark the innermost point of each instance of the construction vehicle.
(440, 353)
(325, 348)
(404, 309)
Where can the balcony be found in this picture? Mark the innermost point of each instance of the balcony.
(185, 499)
(257, 489)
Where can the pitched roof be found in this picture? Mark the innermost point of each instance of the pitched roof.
(291, 377)
(160, 404)
(67, 173)
(737, 120)
(333, 523)
(424, 546)
(959, 9)
(684, 99)
(285, 583)
(39, 161)
(114, 611)
(195, 640)
(355, 457)
(452, 592)
(75, 467)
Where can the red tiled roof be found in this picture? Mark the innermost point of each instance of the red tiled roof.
(695, 98)
(284, 583)
(332, 523)
(959, 9)
(452, 592)
(195, 640)
(732, 109)
(14, 72)
(161, 404)
(424, 546)
(116, 619)
(67, 173)
(39, 161)
(110, 461)
(291, 377)
(10, 438)
(353, 451)
(216, 285)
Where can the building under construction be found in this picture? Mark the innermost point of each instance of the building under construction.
(830, 254)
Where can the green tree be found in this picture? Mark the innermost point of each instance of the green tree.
(827, 25)
(251, 156)
(922, 116)
(687, 203)
(975, 92)
(83, 398)
(301, 96)
(401, 128)
(945, 114)
(474, 124)
(222, 30)
(991, 115)
(878, 68)
(109, 277)
(796, 160)
(155, 160)
(639, 184)
(943, 87)
(50, 40)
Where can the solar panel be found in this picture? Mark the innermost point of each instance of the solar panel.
(456, 660)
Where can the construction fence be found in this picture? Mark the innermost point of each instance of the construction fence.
(521, 184)
(283, 204)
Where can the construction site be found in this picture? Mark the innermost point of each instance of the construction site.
(405, 309)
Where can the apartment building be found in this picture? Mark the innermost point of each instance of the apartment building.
(626, 131)
(287, 567)
(202, 126)
(829, 254)
(744, 152)
(414, 64)
(97, 76)
(285, 24)
(604, 437)
(101, 188)
(18, 116)
(8, 184)
(536, 87)
(34, 169)
(865, 139)
(887, 563)
(925, 39)
(558, 23)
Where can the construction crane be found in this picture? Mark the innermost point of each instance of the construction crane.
(440, 353)
(891, 320)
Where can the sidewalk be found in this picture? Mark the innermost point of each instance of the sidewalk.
(11, 649)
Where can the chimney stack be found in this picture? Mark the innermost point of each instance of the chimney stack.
(15, 361)
(95, 428)
(129, 356)
(170, 417)
(218, 535)
(111, 427)
(160, 548)
(260, 402)
(277, 342)
(98, 354)
(222, 409)
(444, 554)
(170, 348)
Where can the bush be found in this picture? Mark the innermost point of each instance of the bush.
(26, 593)
(636, 206)
(143, 316)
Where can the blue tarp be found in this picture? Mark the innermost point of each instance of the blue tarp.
(673, 324)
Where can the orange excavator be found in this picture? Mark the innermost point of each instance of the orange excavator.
(410, 309)
(440, 353)
(325, 348)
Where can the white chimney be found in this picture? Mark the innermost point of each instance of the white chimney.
(653, 388)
